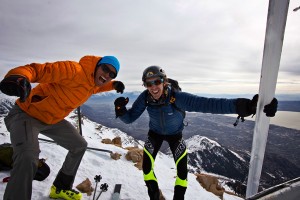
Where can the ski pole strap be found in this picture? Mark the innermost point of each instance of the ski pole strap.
(238, 119)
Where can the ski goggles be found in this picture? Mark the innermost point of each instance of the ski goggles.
(106, 70)
(154, 82)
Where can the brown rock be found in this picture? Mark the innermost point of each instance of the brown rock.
(117, 141)
(115, 156)
(135, 155)
(85, 187)
(106, 141)
(211, 184)
(139, 165)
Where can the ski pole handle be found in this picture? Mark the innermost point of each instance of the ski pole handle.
(103, 188)
(97, 178)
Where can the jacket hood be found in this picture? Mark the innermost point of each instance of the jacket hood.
(89, 64)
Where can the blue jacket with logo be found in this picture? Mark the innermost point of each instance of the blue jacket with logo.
(165, 119)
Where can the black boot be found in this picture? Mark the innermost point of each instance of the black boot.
(153, 190)
(62, 188)
(63, 181)
(179, 192)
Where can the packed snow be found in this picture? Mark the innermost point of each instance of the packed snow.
(112, 171)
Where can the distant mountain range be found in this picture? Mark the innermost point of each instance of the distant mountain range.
(215, 145)
(280, 97)
(286, 102)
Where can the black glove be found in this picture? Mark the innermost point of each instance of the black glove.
(246, 107)
(271, 108)
(120, 106)
(119, 86)
(16, 85)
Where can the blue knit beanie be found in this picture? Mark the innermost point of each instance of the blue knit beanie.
(112, 61)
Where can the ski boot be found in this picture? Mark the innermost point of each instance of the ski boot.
(64, 194)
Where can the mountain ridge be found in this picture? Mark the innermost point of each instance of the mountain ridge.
(113, 171)
(213, 128)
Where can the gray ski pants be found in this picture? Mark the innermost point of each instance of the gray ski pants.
(24, 131)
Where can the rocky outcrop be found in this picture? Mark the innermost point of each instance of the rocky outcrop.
(85, 187)
(211, 184)
(135, 155)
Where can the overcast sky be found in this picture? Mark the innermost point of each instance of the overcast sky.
(209, 46)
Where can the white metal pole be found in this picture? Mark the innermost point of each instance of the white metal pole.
(277, 15)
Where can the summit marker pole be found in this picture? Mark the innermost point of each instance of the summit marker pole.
(277, 15)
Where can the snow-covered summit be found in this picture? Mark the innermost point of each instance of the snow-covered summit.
(198, 143)
(206, 155)
(112, 171)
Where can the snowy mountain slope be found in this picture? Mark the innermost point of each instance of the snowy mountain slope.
(112, 171)
(209, 156)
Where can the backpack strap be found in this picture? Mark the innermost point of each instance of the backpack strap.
(172, 102)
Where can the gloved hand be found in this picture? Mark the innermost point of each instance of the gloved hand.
(271, 108)
(120, 106)
(16, 85)
(119, 86)
(247, 107)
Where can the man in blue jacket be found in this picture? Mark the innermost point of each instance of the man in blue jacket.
(166, 108)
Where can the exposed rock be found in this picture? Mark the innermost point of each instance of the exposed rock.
(136, 155)
(115, 156)
(139, 165)
(117, 141)
(106, 141)
(211, 184)
(238, 187)
(85, 187)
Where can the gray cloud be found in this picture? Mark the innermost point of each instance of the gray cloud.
(209, 46)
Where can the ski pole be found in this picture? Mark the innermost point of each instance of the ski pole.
(97, 179)
(103, 188)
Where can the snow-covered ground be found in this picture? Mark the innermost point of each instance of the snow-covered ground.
(112, 171)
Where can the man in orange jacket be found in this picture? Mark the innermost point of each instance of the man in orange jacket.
(63, 86)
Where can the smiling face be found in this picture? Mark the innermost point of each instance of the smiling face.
(104, 75)
(155, 86)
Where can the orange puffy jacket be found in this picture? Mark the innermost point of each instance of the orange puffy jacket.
(63, 86)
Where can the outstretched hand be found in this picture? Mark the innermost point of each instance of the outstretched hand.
(247, 107)
(16, 85)
(120, 106)
(271, 108)
(119, 86)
